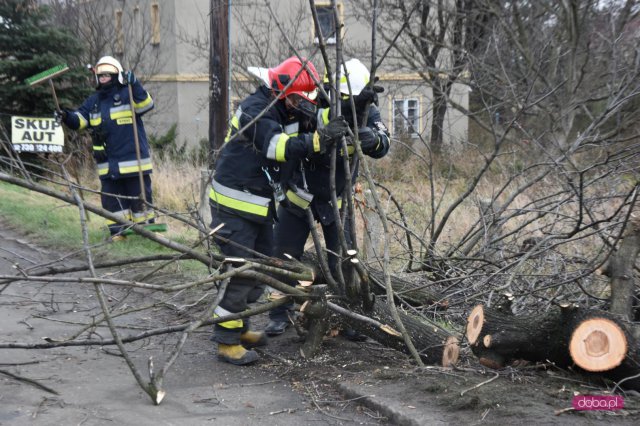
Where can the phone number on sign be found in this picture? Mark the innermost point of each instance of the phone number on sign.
(37, 147)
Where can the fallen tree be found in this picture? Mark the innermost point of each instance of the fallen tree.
(593, 342)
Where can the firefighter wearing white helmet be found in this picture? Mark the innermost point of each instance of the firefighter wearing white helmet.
(109, 65)
(309, 186)
(107, 115)
(358, 75)
(246, 185)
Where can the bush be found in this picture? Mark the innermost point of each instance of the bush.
(166, 147)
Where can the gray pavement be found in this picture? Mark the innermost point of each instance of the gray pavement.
(95, 386)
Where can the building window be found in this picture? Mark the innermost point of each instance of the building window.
(155, 24)
(119, 33)
(327, 22)
(406, 113)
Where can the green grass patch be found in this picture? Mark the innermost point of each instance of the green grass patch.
(54, 223)
(48, 221)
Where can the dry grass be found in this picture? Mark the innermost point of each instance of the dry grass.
(176, 186)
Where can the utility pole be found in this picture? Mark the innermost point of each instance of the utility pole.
(218, 75)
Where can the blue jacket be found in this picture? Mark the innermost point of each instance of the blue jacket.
(317, 171)
(107, 113)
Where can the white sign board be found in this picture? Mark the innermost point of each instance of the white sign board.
(31, 134)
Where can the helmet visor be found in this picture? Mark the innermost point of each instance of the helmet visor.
(309, 96)
(106, 69)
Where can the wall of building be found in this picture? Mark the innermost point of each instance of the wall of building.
(181, 88)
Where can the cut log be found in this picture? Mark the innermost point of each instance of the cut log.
(315, 311)
(435, 346)
(598, 344)
(589, 341)
(415, 294)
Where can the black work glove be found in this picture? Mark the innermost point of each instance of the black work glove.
(326, 137)
(128, 77)
(368, 96)
(60, 116)
(362, 101)
(99, 139)
(369, 140)
(308, 124)
(333, 131)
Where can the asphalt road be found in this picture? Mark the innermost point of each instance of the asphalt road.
(95, 387)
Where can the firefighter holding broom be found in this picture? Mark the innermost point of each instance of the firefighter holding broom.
(120, 146)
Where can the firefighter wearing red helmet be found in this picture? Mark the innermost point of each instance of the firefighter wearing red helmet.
(263, 137)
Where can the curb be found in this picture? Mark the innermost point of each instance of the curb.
(387, 402)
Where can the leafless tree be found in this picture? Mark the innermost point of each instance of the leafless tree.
(539, 200)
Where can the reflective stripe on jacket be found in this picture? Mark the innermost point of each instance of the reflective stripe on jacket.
(317, 170)
(107, 113)
(240, 184)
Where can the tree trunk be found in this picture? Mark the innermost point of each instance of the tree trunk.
(435, 346)
(415, 294)
(589, 341)
(316, 312)
(440, 93)
(620, 270)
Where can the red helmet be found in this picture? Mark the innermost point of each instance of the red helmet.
(304, 84)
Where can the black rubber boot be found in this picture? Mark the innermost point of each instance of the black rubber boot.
(275, 328)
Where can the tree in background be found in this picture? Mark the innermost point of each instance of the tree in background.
(29, 44)
(433, 39)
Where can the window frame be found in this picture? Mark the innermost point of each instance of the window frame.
(119, 45)
(327, 5)
(406, 128)
(155, 24)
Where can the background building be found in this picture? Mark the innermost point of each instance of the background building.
(166, 43)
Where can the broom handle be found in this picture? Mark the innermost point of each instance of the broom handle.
(75, 171)
(137, 142)
(55, 98)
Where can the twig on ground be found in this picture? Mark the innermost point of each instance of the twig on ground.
(315, 402)
(563, 410)
(480, 384)
(29, 381)
(286, 410)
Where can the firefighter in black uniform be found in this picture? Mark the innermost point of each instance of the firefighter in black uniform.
(309, 186)
(262, 137)
(107, 114)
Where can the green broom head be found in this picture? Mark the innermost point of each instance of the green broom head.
(47, 74)
(152, 227)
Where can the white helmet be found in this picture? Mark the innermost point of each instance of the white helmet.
(108, 65)
(358, 75)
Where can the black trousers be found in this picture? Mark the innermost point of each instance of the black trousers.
(290, 236)
(127, 208)
(240, 291)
